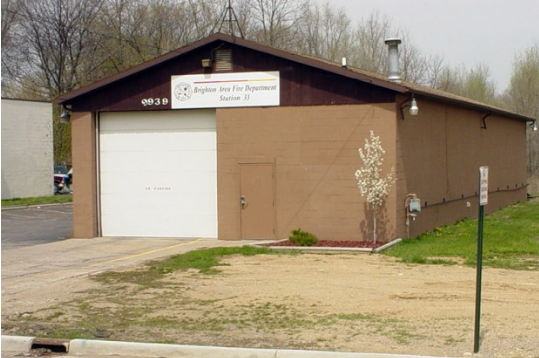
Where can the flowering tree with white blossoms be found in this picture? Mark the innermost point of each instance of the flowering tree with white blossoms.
(370, 182)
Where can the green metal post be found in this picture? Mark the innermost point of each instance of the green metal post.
(479, 278)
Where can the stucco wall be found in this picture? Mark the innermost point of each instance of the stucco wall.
(315, 153)
(27, 151)
(439, 155)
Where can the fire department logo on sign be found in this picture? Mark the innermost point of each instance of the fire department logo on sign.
(183, 91)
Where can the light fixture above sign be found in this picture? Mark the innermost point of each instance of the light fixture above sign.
(206, 63)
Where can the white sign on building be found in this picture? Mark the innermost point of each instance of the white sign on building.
(215, 90)
(483, 186)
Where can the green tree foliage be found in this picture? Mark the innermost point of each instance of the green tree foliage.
(474, 83)
(522, 96)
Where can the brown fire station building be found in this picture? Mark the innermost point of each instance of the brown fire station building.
(230, 139)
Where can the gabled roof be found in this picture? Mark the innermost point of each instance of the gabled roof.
(332, 67)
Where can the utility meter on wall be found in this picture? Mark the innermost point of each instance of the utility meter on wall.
(414, 205)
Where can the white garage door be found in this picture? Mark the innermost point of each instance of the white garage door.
(158, 174)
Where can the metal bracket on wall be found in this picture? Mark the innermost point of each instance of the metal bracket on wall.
(483, 120)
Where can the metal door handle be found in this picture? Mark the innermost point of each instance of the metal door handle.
(243, 202)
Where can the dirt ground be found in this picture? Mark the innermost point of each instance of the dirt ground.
(344, 302)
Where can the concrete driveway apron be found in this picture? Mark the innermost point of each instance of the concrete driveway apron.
(40, 266)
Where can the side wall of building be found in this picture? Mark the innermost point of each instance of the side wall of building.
(85, 213)
(314, 150)
(439, 155)
(27, 151)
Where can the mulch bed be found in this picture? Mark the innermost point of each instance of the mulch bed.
(332, 243)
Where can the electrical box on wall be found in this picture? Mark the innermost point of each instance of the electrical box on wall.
(414, 205)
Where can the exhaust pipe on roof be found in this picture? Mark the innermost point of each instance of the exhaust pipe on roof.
(393, 59)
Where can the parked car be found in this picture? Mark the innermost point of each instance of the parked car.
(61, 168)
(63, 175)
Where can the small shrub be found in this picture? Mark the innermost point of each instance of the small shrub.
(303, 238)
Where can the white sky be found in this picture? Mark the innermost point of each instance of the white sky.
(468, 32)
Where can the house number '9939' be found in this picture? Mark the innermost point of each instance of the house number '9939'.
(154, 101)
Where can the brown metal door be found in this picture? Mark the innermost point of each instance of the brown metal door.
(257, 201)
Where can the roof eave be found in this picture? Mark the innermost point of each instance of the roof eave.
(475, 106)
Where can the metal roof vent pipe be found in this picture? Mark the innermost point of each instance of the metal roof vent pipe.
(393, 59)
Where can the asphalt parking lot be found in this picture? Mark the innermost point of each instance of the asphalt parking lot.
(36, 225)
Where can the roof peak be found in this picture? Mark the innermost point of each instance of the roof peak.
(322, 64)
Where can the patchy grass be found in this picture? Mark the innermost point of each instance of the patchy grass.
(41, 200)
(510, 241)
(204, 261)
(118, 308)
(135, 317)
(152, 305)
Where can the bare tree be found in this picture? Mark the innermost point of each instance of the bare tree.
(414, 67)
(57, 33)
(206, 17)
(56, 37)
(370, 52)
(133, 31)
(10, 11)
(12, 60)
(435, 69)
(125, 31)
(326, 33)
(276, 21)
(159, 26)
